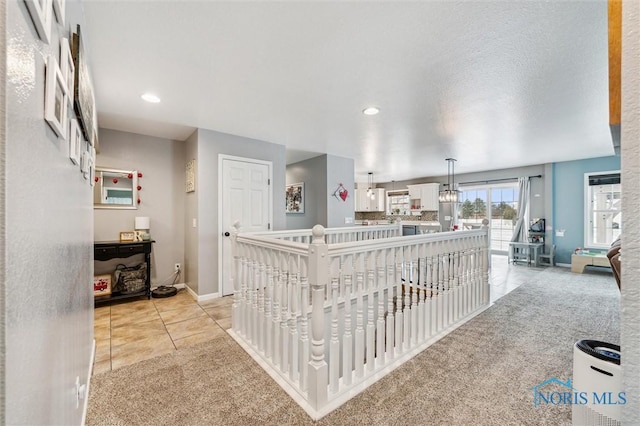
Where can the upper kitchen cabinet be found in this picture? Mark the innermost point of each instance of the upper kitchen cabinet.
(424, 196)
(370, 200)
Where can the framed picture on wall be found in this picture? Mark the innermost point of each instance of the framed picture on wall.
(68, 68)
(84, 100)
(75, 141)
(41, 12)
(55, 101)
(190, 177)
(295, 198)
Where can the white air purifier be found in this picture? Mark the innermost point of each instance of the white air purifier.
(597, 377)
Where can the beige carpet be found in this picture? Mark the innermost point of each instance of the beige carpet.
(482, 374)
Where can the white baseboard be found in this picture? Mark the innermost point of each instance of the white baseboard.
(564, 265)
(85, 403)
(209, 296)
(196, 297)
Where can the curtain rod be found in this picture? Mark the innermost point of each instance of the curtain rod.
(496, 180)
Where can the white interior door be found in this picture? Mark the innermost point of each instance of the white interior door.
(245, 197)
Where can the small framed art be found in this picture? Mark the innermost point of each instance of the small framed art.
(55, 100)
(127, 236)
(295, 198)
(190, 178)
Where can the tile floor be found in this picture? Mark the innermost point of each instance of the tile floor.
(132, 331)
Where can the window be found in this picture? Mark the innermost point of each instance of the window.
(499, 202)
(119, 196)
(603, 208)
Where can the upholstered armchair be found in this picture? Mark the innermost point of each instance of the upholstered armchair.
(614, 259)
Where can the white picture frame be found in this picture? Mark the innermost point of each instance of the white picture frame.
(75, 141)
(59, 7)
(92, 171)
(190, 176)
(55, 100)
(41, 11)
(84, 163)
(294, 197)
(68, 68)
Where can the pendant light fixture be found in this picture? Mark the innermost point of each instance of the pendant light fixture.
(370, 190)
(450, 195)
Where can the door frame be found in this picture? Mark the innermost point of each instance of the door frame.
(488, 187)
(221, 158)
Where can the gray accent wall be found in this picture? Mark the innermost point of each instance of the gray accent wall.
(162, 197)
(313, 173)
(210, 145)
(321, 176)
(340, 170)
(47, 241)
(191, 215)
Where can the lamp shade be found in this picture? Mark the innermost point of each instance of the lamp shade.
(142, 222)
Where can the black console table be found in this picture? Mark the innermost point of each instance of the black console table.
(107, 250)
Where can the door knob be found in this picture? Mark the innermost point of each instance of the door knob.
(226, 234)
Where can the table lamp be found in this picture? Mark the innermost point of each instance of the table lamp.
(142, 226)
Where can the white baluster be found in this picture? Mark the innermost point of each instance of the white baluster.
(428, 285)
(380, 323)
(294, 297)
(422, 260)
(262, 280)
(391, 315)
(347, 338)
(371, 327)
(235, 277)
(284, 315)
(334, 346)
(304, 324)
(414, 295)
(359, 349)
(277, 296)
(268, 309)
(406, 309)
(399, 303)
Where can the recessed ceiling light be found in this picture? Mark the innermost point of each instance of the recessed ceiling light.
(371, 111)
(150, 98)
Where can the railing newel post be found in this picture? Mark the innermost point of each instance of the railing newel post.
(235, 277)
(318, 278)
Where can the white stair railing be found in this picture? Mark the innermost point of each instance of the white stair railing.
(326, 319)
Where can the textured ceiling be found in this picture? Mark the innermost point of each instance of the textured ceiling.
(492, 84)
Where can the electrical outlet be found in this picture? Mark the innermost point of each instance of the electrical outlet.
(177, 267)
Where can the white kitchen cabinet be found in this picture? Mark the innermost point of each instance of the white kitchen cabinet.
(424, 196)
(364, 202)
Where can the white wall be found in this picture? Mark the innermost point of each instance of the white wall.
(48, 240)
(210, 145)
(340, 170)
(630, 332)
(162, 163)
